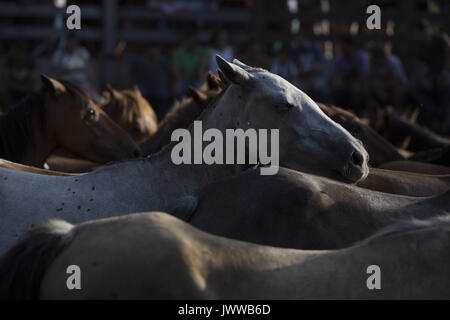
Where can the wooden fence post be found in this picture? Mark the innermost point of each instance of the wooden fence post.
(109, 37)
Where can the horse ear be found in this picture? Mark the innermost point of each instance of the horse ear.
(51, 85)
(113, 92)
(233, 72)
(199, 98)
(241, 64)
(212, 81)
(223, 79)
(137, 90)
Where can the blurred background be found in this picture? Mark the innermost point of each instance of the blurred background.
(321, 46)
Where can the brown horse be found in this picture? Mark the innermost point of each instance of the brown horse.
(380, 150)
(131, 111)
(61, 115)
(68, 164)
(406, 183)
(183, 114)
(155, 256)
(416, 167)
(396, 129)
(20, 167)
(439, 156)
(298, 210)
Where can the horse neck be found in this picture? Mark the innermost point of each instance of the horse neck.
(36, 154)
(384, 147)
(180, 118)
(445, 178)
(420, 136)
(223, 113)
(161, 182)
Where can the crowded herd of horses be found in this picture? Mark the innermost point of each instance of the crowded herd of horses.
(93, 185)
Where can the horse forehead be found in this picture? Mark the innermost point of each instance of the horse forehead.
(279, 88)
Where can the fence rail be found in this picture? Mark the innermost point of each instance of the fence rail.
(105, 23)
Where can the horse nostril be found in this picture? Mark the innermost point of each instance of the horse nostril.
(357, 159)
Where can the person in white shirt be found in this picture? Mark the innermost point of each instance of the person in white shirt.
(72, 63)
(284, 66)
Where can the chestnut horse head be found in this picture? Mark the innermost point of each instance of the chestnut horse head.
(61, 115)
(132, 112)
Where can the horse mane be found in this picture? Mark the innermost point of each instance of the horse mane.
(183, 114)
(180, 113)
(407, 225)
(170, 144)
(16, 127)
(23, 267)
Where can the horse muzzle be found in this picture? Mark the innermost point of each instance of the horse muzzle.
(356, 168)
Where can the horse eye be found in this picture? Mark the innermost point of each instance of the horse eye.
(90, 114)
(284, 107)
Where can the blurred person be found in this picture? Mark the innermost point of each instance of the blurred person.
(187, 61)
(386, 80)
(254, 55)
(72, 62)
(310, 62)
(430, 85)
(422, 35)
(122, 68)
(284, 66)
(349, 73)
(151, 72)
(19, 76)
(220, 47)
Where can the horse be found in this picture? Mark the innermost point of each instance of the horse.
(61, 115)
(439, 156)
(405, 183)
(416, 167)
(387, 181)
(156, 256)
(131, 111)
(396, 129)
(19, 167)
(309, 141)
(70, 165)
(380, 150)
(182, 115)
(302, 211)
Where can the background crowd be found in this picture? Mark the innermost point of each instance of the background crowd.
(359, 75)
